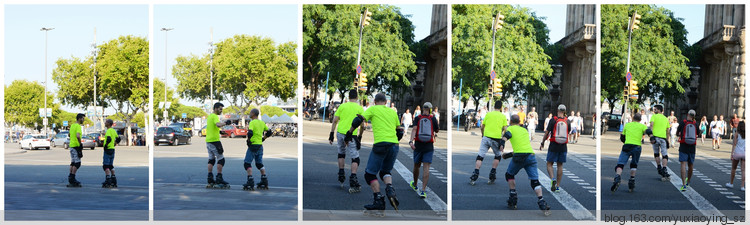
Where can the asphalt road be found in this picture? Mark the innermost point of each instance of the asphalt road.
(35, 185)
(483, 201)
(180, 182)
(706, 196)
(324, 199)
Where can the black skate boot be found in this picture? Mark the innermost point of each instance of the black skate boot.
(664, 174)
(544, 207)
(263, 184)
(513, 200)
(631, 184)
(474, 177)
(493, 176)
(616, 183)
(113, 181)
(391, 194)
(72, 182)
(377, 208)
(220, 183)
(249, 185)
(210, 183)
(342, 177)
(354, 186)
(107, 182)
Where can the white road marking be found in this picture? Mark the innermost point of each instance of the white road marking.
(700, 203)
(432, 199)
(571, 204)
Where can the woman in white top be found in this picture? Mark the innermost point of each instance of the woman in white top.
(738, 156)
(673, 131)
(406, 119)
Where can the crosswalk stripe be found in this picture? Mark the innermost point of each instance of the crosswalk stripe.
(571, 204)
(700, 203)
(432, 199)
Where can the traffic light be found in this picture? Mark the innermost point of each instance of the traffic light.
(366, 17)
(498, 24)
(497, 87)
(633, 87)
(636, 21)
(490, 90)
(362, 81)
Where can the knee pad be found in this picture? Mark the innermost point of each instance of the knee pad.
(212, 161)
(341, 156)
(104, 167)
(370, 177)
(383, 175)
(479, 158)
(259, 166)
(535, 184)
(498, 157)
(358, 120)
(355, 160)
(509, 177)
(633, 166)
(77, 165)
(656, 154)
(665, 157)
(621, 166)
(221, 162)
(247, 166)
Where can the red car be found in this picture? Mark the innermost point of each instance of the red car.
(233, 131)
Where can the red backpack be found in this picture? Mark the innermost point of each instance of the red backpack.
(424, 130)
(559, 131)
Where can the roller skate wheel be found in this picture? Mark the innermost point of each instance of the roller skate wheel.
(472, 182)
(547, 212)
(491, 182)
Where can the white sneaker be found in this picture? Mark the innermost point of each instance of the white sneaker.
(729, 185)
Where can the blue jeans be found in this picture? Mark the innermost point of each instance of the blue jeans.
(382, 158)
(627, 152)
(527, 162)
(108, 159)
(254, 152)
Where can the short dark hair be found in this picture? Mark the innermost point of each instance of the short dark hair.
(80, 116)
(218, 104)
(254, 112)
(637, 117)
(353, 94)
(659, 107)
(515, 119)
(498, 104)
(380, 97)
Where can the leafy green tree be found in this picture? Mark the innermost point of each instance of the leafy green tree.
(23, 99)
(247, 70)
(63, 115)
(520, 58)
(657, 61)
(331, 41)
(159, 97)
(122, 77)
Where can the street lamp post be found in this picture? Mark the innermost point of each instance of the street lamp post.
(165, 70)
(95, 52)
(45, 29)
(211, 67)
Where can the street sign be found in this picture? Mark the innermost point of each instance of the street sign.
(359, 69)
(184, 115)
(41, 112)
(172, 117)
(65, 123)
(628, 76)
(492, 74)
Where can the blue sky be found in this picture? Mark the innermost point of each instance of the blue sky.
(555, 19)
(73, 35)
(421, 17)
(694, 17)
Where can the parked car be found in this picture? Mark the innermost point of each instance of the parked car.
(233, 131)
(613, 120)
(35, 141)
(171, 135)
(60, 138)
(98, 138)
(203, 131)
(184, 126)
(87, 141)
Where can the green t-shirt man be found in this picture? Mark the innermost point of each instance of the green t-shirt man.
(520, 139)
(258, 127)
(660, 124)
(75, 129)
(212, 131)
(493, 124)
(384, 123)
(112, 135)
(346, 113)
(633, 132)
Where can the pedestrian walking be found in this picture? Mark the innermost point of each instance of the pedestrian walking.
(557, 132)
(738, 156)
(422, 143)
(687, 131)
(407, 119)
(533, 120)
(704, 128)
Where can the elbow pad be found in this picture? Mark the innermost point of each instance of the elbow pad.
(399, 133)
(649, 132)
(507, 135)
(357, 121)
